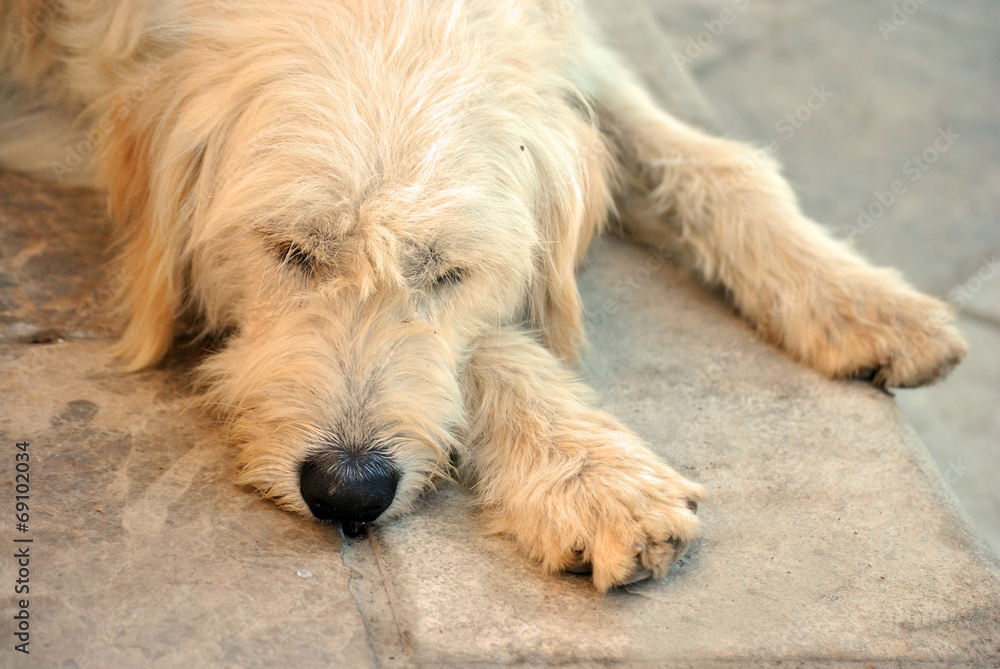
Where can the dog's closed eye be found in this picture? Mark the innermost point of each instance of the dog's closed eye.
(289, 253)
(293, 254)
(451, 277)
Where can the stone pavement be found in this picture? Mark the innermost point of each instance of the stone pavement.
(892, 79)
(831, 538)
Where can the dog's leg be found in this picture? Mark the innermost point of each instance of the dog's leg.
(568, 482)
(727, 209)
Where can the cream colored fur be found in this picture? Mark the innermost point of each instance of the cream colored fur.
(384, 203)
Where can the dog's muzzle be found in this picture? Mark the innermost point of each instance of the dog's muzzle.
(351, 489)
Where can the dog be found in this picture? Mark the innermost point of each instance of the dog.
(380, 204)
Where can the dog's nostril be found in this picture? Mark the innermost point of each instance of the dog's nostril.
(351, 490)
(353, 529)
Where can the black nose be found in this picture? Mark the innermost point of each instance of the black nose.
(351, 489)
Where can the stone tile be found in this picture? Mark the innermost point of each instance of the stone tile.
(979, 295)
(829, 537)
(54, 281)
(959, 420)
(631, 27)
(144, 552)
(888, 99)
(890, 94)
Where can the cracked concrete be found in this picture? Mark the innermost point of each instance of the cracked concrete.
(831, 538)
(367, 586)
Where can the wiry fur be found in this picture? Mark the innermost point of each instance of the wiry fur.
(384, 203)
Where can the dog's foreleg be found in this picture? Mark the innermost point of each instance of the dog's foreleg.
(571, 485)
(727, 209)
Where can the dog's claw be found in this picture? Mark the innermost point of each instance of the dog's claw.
(640, 575)
(584, 568)
(579, 565)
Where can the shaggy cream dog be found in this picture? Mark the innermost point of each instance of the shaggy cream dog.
(383, 203)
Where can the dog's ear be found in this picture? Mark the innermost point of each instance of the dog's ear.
(146, 201)
(578, 197)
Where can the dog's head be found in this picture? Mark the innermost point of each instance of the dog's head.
(355, 314)
(359, 223)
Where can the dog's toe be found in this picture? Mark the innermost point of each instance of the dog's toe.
(866, 374)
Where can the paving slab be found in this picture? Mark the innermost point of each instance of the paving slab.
(893, 81)
(830, 536)
(54, 281)
(143, 552)
(648, 47)
(887, 96)
(959, 421)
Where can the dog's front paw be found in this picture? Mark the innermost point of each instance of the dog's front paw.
(613, 510)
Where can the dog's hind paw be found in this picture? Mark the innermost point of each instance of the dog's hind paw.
(614, 511)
